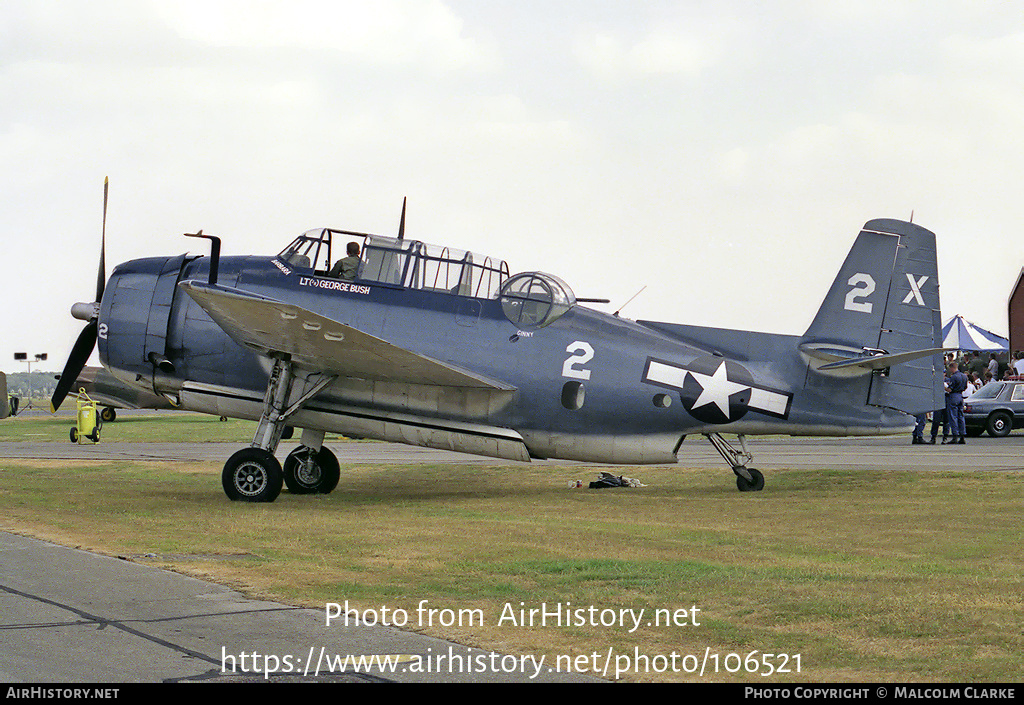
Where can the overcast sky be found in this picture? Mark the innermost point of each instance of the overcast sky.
(724, 154)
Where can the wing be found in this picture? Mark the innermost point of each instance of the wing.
(315, 342)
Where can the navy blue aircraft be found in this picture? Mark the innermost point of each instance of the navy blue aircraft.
(432, 346)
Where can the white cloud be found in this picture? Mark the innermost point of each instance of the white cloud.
(387, 32)
(660, 52)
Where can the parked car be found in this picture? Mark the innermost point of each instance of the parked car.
(998, 408)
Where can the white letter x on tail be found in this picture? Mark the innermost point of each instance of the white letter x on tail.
(915, 289)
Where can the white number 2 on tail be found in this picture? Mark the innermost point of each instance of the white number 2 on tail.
(863, 287)
(582, 353)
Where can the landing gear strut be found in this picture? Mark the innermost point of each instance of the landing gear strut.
(747, 479)
(253, 474)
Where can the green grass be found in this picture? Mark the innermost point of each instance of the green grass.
(170, 427)
(164, 427)
(896, 576)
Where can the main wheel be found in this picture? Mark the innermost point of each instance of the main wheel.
(306, 472)
(107, 414)
(252, 475)
(999, 424)
(744, 485)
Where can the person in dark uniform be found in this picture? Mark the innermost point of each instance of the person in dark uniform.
(347, 267)
(955, 405)
(917, 438)
(939, 416)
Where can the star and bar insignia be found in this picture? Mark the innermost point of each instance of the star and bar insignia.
(715, 390)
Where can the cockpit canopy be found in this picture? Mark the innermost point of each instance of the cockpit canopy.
(404, 263)
(534, 299)
(530, 300)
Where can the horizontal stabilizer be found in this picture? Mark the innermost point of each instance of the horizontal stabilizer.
(880, 362)
(318, 343)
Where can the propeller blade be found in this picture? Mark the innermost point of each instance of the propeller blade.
(101, 276)
(76, 362)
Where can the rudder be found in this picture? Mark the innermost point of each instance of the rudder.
(913, 321)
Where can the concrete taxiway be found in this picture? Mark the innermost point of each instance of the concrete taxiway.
(69, 616)
(772, 452)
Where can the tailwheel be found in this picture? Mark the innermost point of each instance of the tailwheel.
(747, 479)
(252, 475)
(308, 471)
(754, 484)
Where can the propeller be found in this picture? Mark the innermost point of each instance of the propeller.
(89, 312)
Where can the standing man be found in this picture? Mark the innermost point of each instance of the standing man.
(977, 365)
(941, 416)
(993, 365)
(917, 437)
(955, 405)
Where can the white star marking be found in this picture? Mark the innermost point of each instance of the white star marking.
(716, 389)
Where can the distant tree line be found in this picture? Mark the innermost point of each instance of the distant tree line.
(43, 384)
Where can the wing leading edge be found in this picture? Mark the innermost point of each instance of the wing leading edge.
(268, 326)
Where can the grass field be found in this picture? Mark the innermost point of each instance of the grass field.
(890, 576)
(170, 427)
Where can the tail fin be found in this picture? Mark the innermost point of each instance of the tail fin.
(885, 301)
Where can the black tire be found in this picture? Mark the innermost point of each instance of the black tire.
(107, 414)
(252, 475)
(999, 424)
(745, 486)
(74, 434)
(319, 477)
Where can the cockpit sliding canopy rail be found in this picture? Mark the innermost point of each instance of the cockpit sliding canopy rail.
(404, 263)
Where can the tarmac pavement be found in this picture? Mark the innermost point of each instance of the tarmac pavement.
(69, 616)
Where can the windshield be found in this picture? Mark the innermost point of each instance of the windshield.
(310, 250)
(989, 391)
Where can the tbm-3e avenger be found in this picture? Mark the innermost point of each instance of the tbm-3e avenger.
(435, 347)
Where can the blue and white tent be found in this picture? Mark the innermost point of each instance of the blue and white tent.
(961, 334)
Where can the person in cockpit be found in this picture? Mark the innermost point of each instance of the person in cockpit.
(346, 267)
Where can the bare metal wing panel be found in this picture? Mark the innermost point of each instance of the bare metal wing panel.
(318, 343)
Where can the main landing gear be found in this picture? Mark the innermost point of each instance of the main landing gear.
(309, 471)
(747, 479)
(254, 475)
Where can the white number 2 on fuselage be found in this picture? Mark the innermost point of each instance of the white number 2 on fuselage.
(581, 353)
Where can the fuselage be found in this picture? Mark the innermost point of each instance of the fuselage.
(588, 386)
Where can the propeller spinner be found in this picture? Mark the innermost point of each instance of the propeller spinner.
(89, 312)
